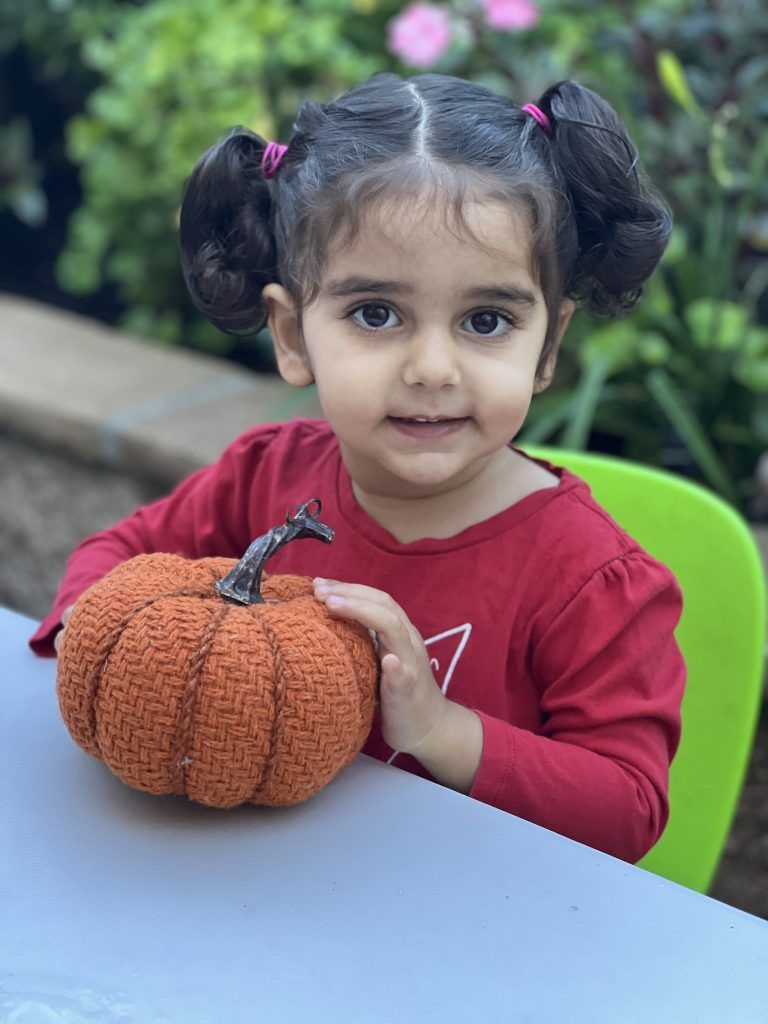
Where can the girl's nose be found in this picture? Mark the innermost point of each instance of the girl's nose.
(432, 359)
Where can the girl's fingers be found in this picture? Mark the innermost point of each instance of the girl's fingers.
(64, 618)
(398, 683)
(391, 664)
(374, 609)
(325, 589)
(337, 595)
(387, 624)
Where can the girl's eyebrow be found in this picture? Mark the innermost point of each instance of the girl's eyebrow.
(503, 293)
(356, 285)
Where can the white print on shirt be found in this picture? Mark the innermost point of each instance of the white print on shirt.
(446, 649)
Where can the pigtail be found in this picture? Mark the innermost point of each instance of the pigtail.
(228, 251)
(622, 223)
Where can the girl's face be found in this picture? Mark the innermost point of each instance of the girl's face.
(414, 322)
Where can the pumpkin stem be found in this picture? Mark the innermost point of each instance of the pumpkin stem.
(242, 584)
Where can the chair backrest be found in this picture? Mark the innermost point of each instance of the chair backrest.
(709, 548)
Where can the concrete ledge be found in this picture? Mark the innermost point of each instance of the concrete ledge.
(111, 399)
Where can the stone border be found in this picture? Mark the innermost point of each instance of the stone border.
(112, 399)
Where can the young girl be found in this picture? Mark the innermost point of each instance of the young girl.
(418, 250)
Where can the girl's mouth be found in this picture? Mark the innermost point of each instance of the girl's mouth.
(417, 428)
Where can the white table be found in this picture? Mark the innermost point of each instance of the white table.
(384, 898)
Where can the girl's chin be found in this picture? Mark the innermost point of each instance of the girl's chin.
(402, 467)
(422, 477)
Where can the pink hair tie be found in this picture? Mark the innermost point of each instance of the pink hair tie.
(270, 160)
(540, 116)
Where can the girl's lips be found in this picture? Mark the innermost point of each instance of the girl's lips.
(428, 430)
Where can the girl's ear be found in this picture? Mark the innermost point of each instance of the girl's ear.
(285, 326)
(544, 379)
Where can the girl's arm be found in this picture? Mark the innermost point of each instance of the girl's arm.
(205, 515)
(611, 679)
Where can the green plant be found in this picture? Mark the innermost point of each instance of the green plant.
(683, 368)
(40, 28)
(176, 74)
(689, 369)
(684, 377)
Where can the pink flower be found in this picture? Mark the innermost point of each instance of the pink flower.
(510, 15)
(419, 34)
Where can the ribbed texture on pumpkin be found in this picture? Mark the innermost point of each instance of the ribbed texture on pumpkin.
(179, 691)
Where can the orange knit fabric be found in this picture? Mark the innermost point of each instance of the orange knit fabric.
(179, 691)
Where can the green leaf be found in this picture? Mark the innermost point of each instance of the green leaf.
(677, 247)
(672, 77)
(30, 205)
(751, 366)
(614, 344)
(77, 272)
(679, 413)
(759, 420)
(585, 400)
(756, 342)
(541, 426)
(653, 348)
(716, 325)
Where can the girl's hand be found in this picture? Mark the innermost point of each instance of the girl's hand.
(64, 619)
(416, 717)
(413, 707)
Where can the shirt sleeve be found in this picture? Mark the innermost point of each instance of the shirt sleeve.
(611, 678)
(207, 514)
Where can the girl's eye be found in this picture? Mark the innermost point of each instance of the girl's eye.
(490, 323)
(373, 316)
(486, 323)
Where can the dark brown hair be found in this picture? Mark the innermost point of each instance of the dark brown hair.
(598, 226)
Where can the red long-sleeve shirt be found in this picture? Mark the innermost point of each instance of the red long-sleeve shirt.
(547, 619)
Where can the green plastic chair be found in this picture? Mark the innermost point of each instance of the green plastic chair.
(709, 548)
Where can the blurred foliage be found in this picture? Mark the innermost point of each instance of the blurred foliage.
(34, 25)
(20, 173)
(174, 76)
(682, 382)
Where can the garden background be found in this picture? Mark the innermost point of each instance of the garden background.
(106, 104)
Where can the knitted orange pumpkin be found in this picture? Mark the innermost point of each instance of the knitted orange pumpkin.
(182, 682)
